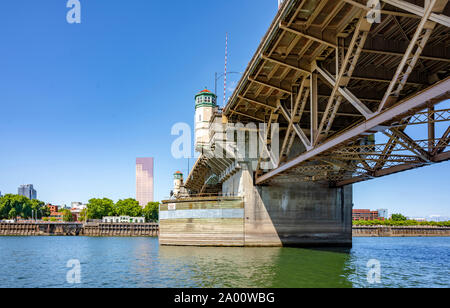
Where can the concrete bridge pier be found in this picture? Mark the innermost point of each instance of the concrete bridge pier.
(293, 213)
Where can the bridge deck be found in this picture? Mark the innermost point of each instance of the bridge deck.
(329, 73)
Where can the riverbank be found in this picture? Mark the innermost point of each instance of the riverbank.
(78, 229)
(400, 231)
(152, 230)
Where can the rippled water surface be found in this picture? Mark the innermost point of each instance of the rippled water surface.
(140, 262)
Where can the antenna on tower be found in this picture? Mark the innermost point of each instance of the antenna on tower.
(225, 74)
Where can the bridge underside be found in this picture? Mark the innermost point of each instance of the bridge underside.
(330, 78)
(354, 100)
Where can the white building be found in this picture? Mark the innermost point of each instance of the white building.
(438, 218)
(383, 213)
(124, 220)
(78, 206)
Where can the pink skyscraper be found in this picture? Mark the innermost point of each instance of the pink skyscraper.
(144, 180)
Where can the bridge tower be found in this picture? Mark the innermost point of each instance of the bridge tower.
(177, 182)
(205, 106)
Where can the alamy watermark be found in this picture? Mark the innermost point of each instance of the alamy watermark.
(74, 14)
(73, 275)
(258, 144)
(373, 271)
(374, 13)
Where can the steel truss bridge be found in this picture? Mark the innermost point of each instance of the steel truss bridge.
(330, 78)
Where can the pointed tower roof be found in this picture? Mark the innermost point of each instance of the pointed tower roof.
(205, 92)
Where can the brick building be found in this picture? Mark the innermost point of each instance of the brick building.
(53, 208)
(366, 215)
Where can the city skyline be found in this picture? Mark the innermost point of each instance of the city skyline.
(431, 217)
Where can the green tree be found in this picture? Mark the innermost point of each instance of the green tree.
(151, 212)
(26, 211)
(99, 208)
(128, 207)
(40, 209)
(5, 206)
(12, 213)
(22, 205)
(16, 202)
(398, 217)
(67, 215)
(82, 216)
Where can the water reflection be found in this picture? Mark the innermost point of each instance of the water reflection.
(141, 262)
(257, 267)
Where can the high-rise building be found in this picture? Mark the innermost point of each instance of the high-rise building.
(144, 180)
(27, 191)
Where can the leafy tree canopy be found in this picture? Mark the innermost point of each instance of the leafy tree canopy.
(67, 217)
(12, 206)
(99, 208)
(82, 216)
(128, 207)
(398, 217)
(151, 212)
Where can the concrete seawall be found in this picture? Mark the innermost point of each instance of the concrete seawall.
(152, 230)
(77, 229)
(215, 221)
(400, 231)
(126, 230)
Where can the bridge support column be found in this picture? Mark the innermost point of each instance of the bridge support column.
(294, 214)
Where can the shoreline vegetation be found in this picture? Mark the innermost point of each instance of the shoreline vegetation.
(15, 206)
(399, 220)
(404, 223)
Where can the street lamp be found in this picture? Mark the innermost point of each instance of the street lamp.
(217, 77)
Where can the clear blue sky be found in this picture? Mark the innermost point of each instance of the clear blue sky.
(79, 102)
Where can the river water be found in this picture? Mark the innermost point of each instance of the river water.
(140, 262)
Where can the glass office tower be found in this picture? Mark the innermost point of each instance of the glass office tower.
(144, 180)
